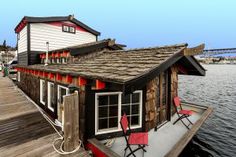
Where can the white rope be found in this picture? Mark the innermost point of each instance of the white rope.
(53, 124)
(109, 143)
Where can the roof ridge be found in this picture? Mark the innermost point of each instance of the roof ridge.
(151, 48)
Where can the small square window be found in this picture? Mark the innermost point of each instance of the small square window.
(65, 28)
(72, 29)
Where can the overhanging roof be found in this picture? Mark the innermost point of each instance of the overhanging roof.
(70, 18)
(128, 69)
(83, 49)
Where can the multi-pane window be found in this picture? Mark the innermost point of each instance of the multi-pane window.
(42, 92)
(111, 106)
(131, 106)
(69, 29)
(51, 96)
(108, 111)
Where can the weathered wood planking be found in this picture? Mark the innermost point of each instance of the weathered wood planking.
(71, 121)
(23, 130)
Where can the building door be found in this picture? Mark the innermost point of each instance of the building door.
(162, 98)
(62, 91)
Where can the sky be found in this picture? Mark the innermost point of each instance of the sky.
(136, 23)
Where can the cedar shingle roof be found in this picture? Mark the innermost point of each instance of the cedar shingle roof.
(120, 66)
(91, 46)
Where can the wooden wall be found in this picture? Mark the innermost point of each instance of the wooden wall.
(31, 86)
(174, 86)
(152, 117)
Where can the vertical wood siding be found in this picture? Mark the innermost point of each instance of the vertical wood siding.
(41, 33)
(22, 42)
(154, 98)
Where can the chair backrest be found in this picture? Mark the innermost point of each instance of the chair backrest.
(124, 123)
(177, 101)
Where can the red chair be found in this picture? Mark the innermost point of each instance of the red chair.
(140, 139)
(181, 112)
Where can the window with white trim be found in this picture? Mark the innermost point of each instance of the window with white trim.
(51, 96)
(42, 92)
(18, 76)
(61, 92)
(68, 29)
(109, 108)
(58, 60)
(64, 60)
(131, 106)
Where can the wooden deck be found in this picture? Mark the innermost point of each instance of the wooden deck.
(23, 130)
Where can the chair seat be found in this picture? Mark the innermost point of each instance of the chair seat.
(138, 138)
(186, 112)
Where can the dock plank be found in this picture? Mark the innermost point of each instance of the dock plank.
(24, 131)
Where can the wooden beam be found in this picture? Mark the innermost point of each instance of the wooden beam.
(81, 81)
(100, 85)
(68, 78)
(71, 122)
(58, 77)
(194, 51)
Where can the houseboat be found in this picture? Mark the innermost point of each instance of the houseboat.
(56, 54)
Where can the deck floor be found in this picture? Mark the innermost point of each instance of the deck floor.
(162, 141)
(23, 130)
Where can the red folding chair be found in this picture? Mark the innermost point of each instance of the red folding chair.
(182, 113)
(140, 139)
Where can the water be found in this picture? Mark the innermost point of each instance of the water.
(217, 137)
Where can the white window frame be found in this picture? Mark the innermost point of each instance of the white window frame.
(64, 60)
(41, 91)
(58, 61)
(58, 89)
(110, 130)
(18, 76)
(58, 97)
(49, 96)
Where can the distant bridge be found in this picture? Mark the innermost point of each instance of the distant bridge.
(212, 52)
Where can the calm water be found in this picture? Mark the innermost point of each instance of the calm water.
(217, 137)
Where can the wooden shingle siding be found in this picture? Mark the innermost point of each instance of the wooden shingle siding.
(22, 42)
(42, 33)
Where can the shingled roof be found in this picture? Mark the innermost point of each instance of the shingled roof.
(127, 68)
(91, 47)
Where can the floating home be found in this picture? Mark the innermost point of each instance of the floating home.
(57, 54)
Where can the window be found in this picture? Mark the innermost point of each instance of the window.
(109, 108)
(42, 92)
(69, 29)
(64, 60)
(18, 76)
(66, 28)
(61, 92)
(51, 96)
(72, 29)
(131, 106)
(58, 60)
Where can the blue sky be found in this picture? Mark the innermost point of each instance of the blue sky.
(136, 23)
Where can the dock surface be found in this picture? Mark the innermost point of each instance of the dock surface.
(23, 130)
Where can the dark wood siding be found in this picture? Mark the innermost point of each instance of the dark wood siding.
(23, 58)
(34, 57)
